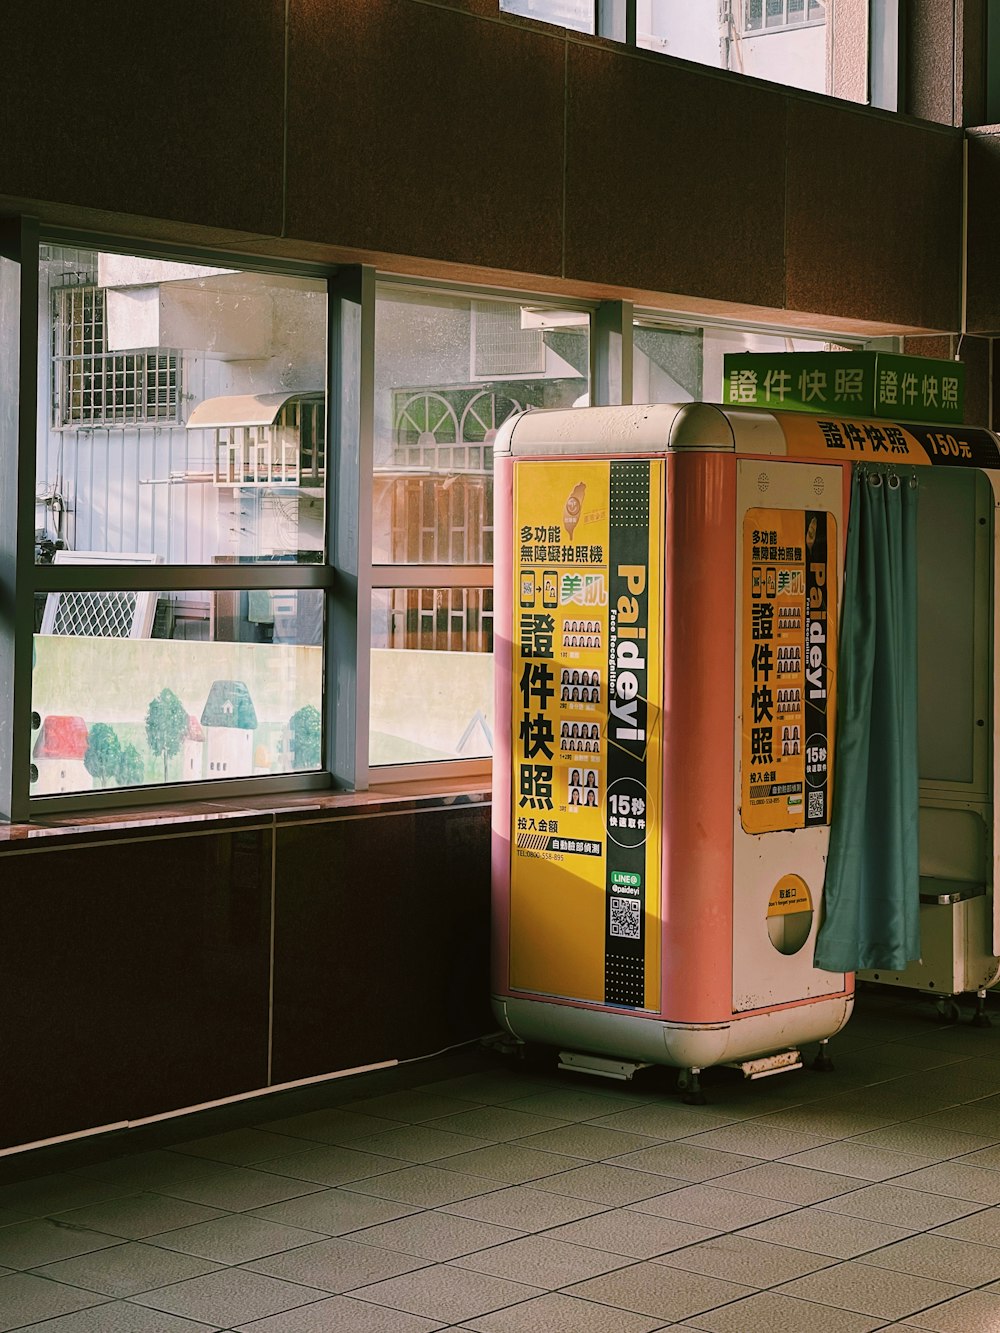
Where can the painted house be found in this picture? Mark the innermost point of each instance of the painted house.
(59, 754)
(193, 751)
(229, 720)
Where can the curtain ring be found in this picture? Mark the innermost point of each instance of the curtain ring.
(893, 482)
(913, 481)
(875, 480)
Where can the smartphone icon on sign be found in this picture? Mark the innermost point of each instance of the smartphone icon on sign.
(772, 581)
(756, 582)
(527, 587)
(550, 589)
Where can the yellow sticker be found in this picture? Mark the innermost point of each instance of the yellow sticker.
(788, 656)
(790, 894)
(585, 730)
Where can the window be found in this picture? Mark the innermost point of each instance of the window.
(674, 363)
(850, 50)
(208, 665)
(92, 386)
(577, 14)
(784, 41)
(449, 370)
(235, 471)
(190, 616)
(770, 15)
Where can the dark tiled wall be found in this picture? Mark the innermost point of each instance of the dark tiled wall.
(421, 131)
(170, 111)
(861, 192)
(135, 976)
(675, 178)
(133, 979)
(381, 939)
(447, 133)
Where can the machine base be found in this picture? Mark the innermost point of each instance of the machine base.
(645, 1039)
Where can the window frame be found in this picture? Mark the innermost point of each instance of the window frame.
(386, 576)
(785, 25)
(347, 577)
(886, 72)
(33, 580)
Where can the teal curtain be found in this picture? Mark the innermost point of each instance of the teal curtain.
(872, 890)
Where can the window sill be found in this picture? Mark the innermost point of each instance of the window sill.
(253, 812)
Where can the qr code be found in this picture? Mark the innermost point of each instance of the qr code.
(816, 805)
(625, 917)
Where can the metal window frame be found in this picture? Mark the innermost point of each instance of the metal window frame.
(347, 577)
(28, 579)
(886, 53)
(386, 576)
(651, 317)
(18, 397)
(516, 13)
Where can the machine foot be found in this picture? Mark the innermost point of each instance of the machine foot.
(981, 1018)
(947, 1009)
(689, 1084)
(822, 1062)
(503, 1044)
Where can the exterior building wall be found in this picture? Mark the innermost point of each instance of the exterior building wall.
(847, 49)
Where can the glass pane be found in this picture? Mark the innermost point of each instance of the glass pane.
(182, 412)
(666, 365)
(449, 370)
(134, 689)
(578, 14)
(784, 41)
(754, 14)
(676, 365)
(431, 674)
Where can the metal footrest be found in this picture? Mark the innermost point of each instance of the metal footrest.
(766, 1065)
(622, 1070)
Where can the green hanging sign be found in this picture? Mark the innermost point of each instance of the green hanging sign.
(848, 384)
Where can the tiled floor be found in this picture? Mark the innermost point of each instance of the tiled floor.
(470, 1192)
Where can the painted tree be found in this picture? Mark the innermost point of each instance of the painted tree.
(103, 754)
(131, 769)
(166, 724)
(306, 728)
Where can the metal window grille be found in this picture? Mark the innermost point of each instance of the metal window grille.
(94, 387)
(456, 620)
(771, 15)
(442, 520)
(99, 615)
(289, 452)
(308, 419)
(452, 429)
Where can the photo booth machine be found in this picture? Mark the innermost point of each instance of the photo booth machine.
(667, 606)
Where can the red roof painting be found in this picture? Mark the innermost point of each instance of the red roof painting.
(61, 738)
(194, 731)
